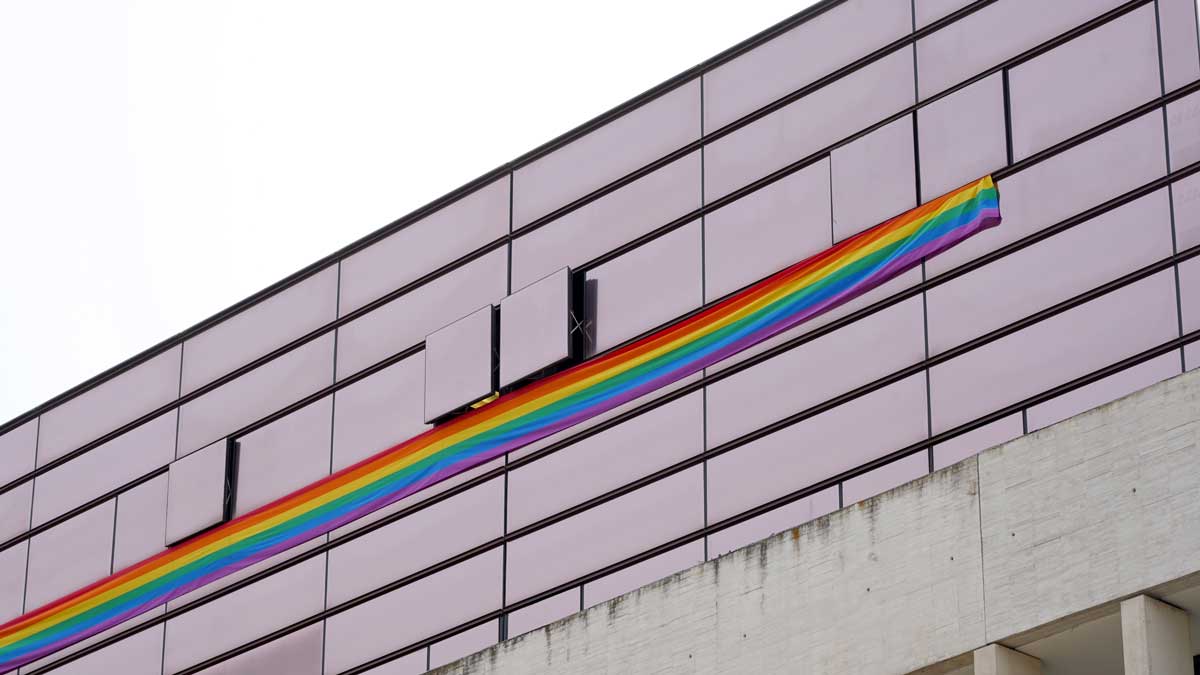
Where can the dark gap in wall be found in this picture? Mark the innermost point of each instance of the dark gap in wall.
(233, 451)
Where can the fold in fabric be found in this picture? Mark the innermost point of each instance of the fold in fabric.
(767, 308)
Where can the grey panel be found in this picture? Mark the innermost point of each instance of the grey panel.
(1180, 54)
(817, 448)
(12, 580)
(141, 523)
(1103, 391)
(1050, 271)
(463, 644)
(296, 654)
(885, 478)
(800, 56)
(974, 442)
(139, 654)
(256, 394)
(1191, 355)
(460, 363)
(1186, 200)
(245, 614)
(70, 555)
(406, 321)
(413, 543)
(962, 137)
(604, 155)
(874, 178)
(928, 11)
(542, 613)
(109, 405)
(993, 34)
(105, 468)
(437, 239)
(1084, 82)
(15, 507)
(196, 492)
(614, 219)
(1054, 351)
(767, 230)
(615, 306)
(818, 370)
(606, 534)
(1067, 184)
(1183, 129)
(807, 125)
(607, 460)
(253, 332)
(284, 456)
(636, 576)
(18, 450)
(776, 520)
(387, 623)
(535, 327)
(379, 411)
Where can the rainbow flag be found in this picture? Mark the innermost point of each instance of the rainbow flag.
(558, 402)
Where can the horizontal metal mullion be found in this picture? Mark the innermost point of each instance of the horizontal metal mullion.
(1058, 308)
(1164, 181)
(817, 156)
(715, 377)
(844, 71)
(658, 232)
(91, 503)
(429, 208)
(509, 168)
(796, 495)
(290, 408)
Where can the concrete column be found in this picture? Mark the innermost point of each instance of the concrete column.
(1000, 660)
(1154, 636)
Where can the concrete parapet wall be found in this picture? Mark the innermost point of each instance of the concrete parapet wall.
(1057, 525)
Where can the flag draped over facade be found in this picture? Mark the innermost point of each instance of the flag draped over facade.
(767, 308)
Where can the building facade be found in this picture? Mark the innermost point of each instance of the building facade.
(1085, 112)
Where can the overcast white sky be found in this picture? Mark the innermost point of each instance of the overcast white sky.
(161, 159)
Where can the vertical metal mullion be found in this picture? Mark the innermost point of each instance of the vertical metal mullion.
(703, 299)
(916, 129)
(337, 311)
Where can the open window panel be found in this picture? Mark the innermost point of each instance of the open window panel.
(201, 489)
(542, 328)
(461, 365)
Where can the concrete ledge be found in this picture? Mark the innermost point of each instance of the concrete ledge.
(1031, 536)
